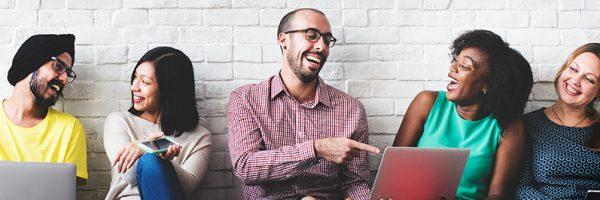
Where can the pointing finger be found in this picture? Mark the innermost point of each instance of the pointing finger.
(365, 147)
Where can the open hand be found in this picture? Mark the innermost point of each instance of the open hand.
(125, 157)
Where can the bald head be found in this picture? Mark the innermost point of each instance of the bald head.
(286, 21)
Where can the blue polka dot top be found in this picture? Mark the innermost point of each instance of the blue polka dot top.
(558, 165)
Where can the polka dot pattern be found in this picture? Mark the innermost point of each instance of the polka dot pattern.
(558, 165)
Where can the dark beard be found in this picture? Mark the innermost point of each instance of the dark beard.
(296, 66)
(35, 86)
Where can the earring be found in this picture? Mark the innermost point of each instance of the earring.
(484, 91)
(284, 47)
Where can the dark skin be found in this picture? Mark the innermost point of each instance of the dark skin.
(468, 70)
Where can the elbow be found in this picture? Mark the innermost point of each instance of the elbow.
(244, 174)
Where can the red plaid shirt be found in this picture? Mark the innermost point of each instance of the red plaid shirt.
(271, 139)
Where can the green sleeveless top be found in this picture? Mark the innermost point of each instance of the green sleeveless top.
(445, 128)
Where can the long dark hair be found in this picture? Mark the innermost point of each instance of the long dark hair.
(175, 78)
(509, 79)
(590, 111)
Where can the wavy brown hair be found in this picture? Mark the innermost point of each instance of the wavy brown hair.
(591, 112)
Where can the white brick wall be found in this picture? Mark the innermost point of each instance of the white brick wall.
(388, 51)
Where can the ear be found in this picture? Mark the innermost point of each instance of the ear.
(282, 40)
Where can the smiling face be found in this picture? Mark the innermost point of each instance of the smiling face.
(144, 88)
(578, 84)
(467, 77)
(46, 84)
(303, 57)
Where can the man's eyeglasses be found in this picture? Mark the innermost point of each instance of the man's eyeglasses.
(313, 35)
(60, 67)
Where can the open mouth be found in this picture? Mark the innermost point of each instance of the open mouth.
(570, 90)
(137, 99)
(55, 86)
(314, 61)
(453, 85)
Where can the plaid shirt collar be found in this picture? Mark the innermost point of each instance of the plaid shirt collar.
(278, 87)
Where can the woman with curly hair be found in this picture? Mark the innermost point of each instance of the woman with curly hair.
(564, 139)
(490, 84)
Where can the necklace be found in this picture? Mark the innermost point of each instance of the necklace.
(563, 123)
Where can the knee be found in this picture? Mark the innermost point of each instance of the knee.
(148, 163)
(148, 159)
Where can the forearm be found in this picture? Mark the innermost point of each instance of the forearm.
(273, 165)
(192, 172)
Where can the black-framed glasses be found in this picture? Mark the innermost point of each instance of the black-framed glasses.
(60, 67)
(313, 35)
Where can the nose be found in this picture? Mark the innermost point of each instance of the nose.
(134, 86)
(577, 80)
(63, 78)
(320, 45)
(453, 67)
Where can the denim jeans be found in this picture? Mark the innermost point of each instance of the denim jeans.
(157, 179)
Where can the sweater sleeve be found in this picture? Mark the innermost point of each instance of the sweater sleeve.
(192, 169)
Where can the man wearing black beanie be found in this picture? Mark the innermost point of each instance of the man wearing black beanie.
(30, 129)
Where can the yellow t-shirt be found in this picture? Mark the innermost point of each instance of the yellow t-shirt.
(59, 138)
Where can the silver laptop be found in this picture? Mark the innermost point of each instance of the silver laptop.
(419, 173)
(27, 180)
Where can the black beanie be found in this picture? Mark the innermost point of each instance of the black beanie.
(36, 51)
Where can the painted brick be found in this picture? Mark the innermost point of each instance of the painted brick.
(171, 17)
(66, 18)
(208, 35)
(130, 17)
(231, 17)
(92, 4)
(205, 4)
(371, 70)
(355, 17)
(18, 18)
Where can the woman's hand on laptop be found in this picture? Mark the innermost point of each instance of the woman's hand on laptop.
(341, 150)
(125, 157)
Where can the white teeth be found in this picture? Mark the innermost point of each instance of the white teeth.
(452, 80)
(313, 59)
(571, 89)
(56, 87)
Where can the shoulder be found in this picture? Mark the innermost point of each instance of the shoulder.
(64, 118)
(246, 90)
(514, 129)
(424, 102)
(533, 116)
(426, 97)
(336, 95)
(117, 117)
(68, 122)
(200, 133)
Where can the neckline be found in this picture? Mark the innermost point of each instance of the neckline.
(541, 110)
(5, 115)
(455, 112)
(138, 118)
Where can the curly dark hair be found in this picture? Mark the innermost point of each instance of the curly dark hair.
(509, 78)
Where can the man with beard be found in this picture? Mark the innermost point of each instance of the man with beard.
(30, 129)
(293, 136)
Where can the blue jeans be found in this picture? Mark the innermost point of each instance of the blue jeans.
(157, 179)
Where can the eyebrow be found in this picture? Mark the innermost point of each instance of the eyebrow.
(589, 73)
(63, 62)
(475, 64)
(141, 75)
